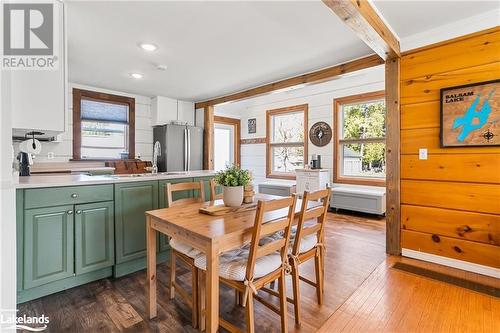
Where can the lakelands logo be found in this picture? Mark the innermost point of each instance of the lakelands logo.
(29, 36)
(9, 320)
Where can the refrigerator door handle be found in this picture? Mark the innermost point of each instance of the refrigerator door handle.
(189, 150)
(185, 149)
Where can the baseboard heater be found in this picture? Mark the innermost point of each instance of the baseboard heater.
(366, 199)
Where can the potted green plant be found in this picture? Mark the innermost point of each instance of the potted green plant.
(232, 179)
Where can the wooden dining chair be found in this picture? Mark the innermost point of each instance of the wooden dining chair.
(308, 243)
(184, 251)
(249, 269)
(213, 190)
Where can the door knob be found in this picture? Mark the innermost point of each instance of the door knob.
(70, 212)
(78, 211)
(74, 195)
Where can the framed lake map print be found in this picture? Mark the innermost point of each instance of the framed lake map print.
(470, 115)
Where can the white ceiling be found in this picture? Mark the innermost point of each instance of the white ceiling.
(210, 48)
(215, 48)
(411, 17)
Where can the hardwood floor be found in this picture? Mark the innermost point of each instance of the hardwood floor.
(363, 293)
(355, 247)
(391, 300)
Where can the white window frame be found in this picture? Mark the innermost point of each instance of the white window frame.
(303, 108)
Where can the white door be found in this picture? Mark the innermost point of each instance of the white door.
(223, 145)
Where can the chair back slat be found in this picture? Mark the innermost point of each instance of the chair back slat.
(275, 224)
(312, 220)
(170, 189)
(269, 248)
(313, 213)
(320, 194)
(213, 191)
(272, 227)
(309, 230)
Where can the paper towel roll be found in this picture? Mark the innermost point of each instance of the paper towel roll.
(31, 146)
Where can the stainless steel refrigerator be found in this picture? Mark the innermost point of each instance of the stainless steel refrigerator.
(181, 147)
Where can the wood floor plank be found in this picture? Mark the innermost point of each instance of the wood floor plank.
(119, 305)
(412, 303)
(118, 309)
(362, 294)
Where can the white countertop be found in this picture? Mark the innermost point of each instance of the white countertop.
(69, 169)
(44, 180)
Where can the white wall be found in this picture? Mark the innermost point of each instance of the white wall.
(7, 205)
(319, 97)
(63, 150)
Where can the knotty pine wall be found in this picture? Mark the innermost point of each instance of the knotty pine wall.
(450, 203)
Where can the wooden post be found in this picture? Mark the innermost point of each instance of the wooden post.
(363, 19)
(208, 142)
(393, 211)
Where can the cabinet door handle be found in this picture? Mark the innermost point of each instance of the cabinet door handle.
(79, 211)
(74, 195)
(69, 212)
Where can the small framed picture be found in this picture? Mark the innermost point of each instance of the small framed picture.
(470, 115)
(252, 126)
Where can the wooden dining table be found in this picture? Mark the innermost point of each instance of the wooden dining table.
(210, 234)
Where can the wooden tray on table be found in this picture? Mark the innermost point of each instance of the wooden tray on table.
(216, 208)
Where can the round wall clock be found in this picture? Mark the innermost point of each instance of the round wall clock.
(320, 134)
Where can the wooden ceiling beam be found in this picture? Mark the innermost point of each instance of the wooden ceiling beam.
(309, 78)
(361, 17)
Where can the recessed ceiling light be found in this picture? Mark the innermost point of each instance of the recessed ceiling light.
(136, 75)
(161, 67)
(148, 47)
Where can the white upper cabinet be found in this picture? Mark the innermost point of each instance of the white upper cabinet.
(165, 110)
(38, 97)
(186, 112)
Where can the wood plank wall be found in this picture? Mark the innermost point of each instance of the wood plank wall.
(450, 203)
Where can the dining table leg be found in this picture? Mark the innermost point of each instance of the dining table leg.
(151, 268)
(212, 288)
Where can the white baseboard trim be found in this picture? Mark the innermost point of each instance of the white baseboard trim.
(463, 265)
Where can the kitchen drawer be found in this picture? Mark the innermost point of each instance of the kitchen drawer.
(57, 196)
(307, 174)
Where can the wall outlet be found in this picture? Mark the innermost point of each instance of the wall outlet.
(422, 154)
(50, 155)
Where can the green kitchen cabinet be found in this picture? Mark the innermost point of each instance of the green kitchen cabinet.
(132, 200)
(163, 239)
(94, 236)
(48, 245)
(70, 195)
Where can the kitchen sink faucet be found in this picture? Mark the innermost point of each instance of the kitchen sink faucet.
(156, 153)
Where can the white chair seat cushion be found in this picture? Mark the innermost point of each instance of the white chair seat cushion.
(184, 248)
(306, 243)
(233, 264)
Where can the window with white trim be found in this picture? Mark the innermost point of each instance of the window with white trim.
(361, 131)
(286, 141)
